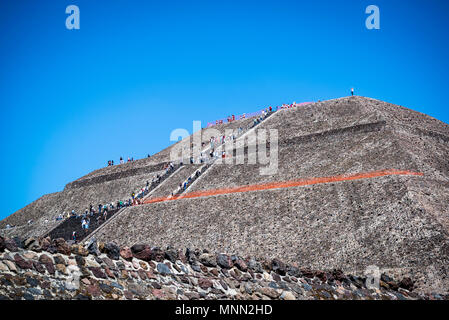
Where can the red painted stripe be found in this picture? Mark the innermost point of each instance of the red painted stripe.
(289, 184)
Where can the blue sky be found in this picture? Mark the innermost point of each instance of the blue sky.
(72, 99)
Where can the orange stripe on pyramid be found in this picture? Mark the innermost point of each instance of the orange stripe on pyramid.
(288, 184)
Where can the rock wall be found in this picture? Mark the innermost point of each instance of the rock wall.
(43, 269)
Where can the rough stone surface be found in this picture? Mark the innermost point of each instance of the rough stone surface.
(208, 260)
(126, 253)
(112, 251)
(79, 249)
(163, 268)
(224, 261)
(76, 277)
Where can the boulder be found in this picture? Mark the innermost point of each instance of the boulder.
(45, 259)
(359, 282)
(287, 295)
(293, 271)
(19, 242)
(138, 289)
(80, 261)
(406, 284)
(59, 260)
(266, 265)
(269, 292)
(45, 243)
(10, 245)
(98, 272)
(338, 275)
(126, 253)
(209, 260)
(22, 263)
(138, 248)
(204, 283)
(30, 255)
(92, 247)
(79, 250)
(3, 267)
(171, 254)
(109, 263)
(112, 251)
(61, 246)
(61, 268)
(278, 266)
(224, 261)
(157, 254)
(39, 268)
(142, 252)
(52, 249)
(323, 276)
(163, 268)
(241, 265)
(11, 266)
(191, 256)
(255, 266)
(50, 268)
(307, 273)
(32, 244)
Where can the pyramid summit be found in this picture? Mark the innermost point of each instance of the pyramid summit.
(358, 182)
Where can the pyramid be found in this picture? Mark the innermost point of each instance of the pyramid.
(359, 182)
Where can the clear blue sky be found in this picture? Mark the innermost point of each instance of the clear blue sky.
(72, 99)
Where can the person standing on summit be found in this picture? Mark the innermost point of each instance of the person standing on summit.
(352, 91)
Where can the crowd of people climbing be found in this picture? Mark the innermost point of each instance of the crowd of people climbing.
(102, 214)
(183, 185)
(137, 198)
(214, 154)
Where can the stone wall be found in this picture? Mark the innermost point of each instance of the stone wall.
(55, 270)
